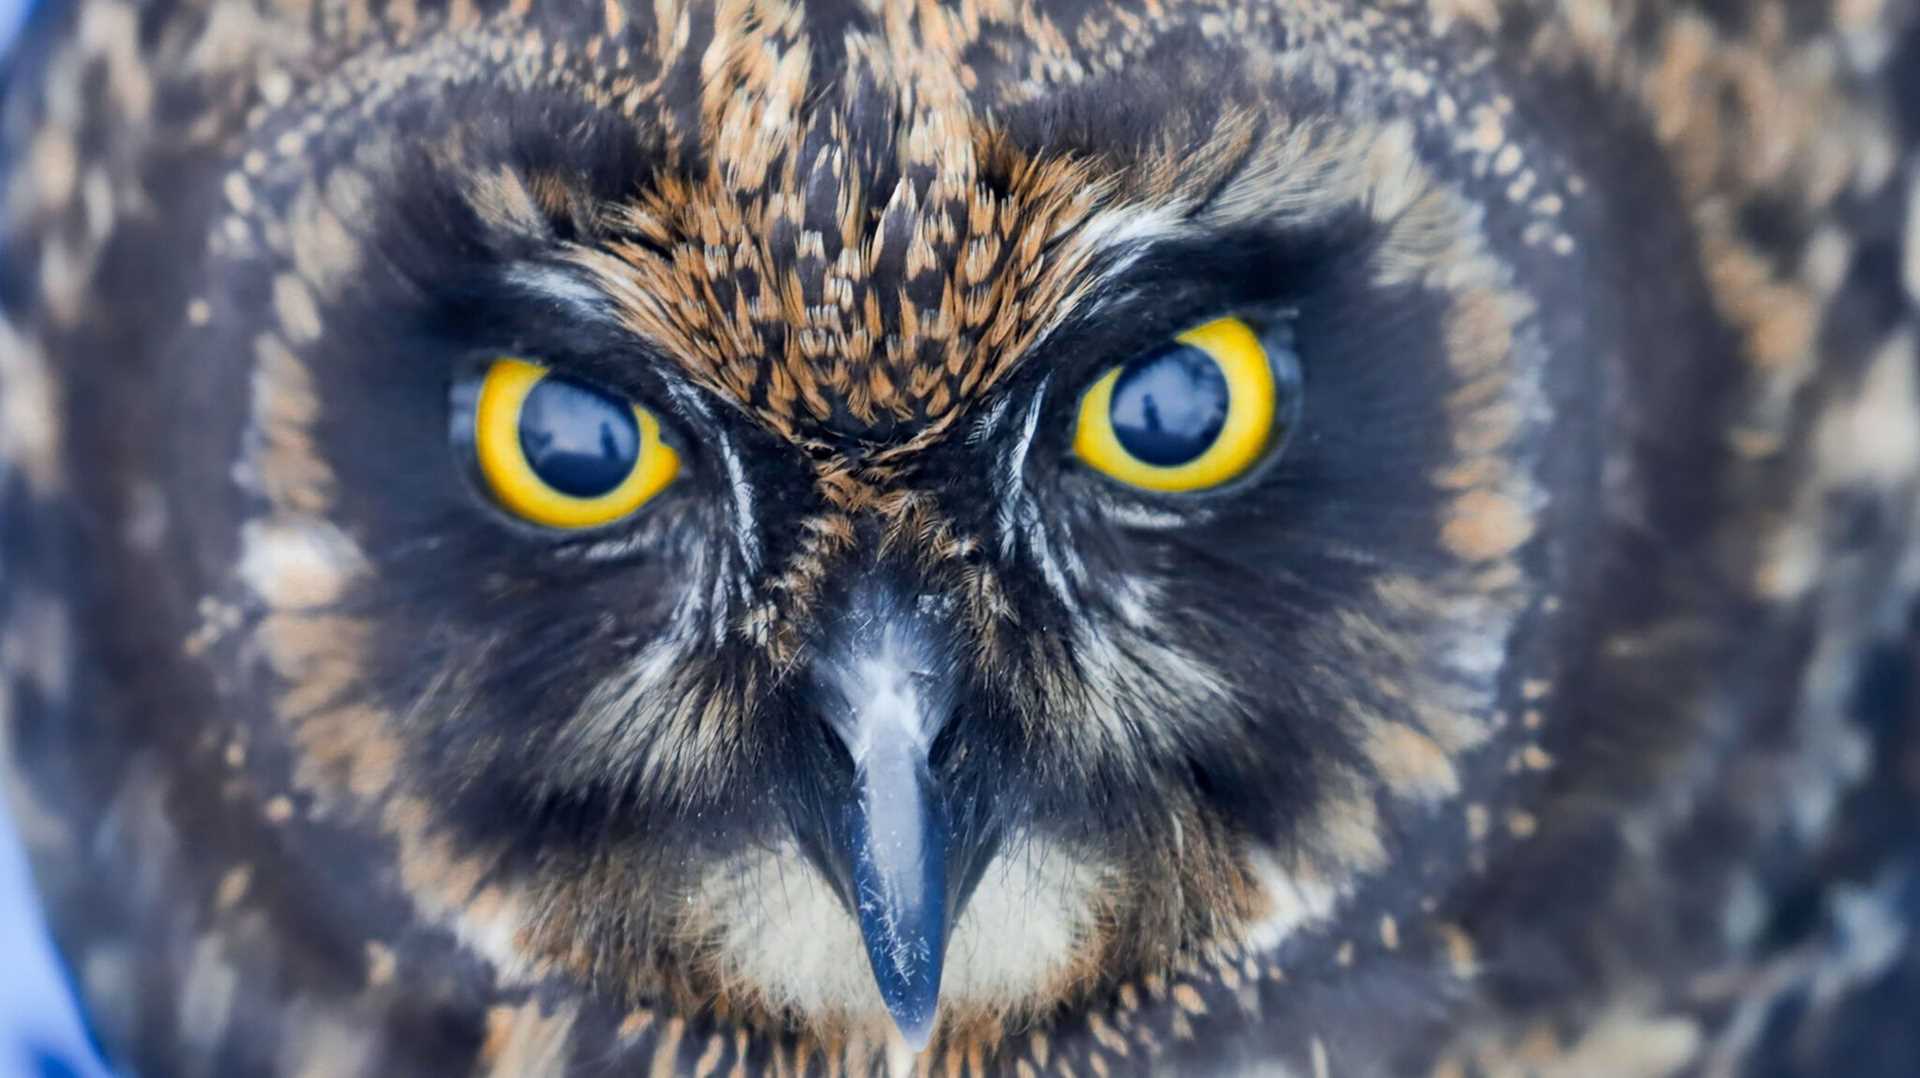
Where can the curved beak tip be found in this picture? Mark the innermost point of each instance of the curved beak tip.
(900, 885)
(917, 1036)
(904, 947)
(916, 1032)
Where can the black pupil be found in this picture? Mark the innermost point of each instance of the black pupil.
(1168, 406)
(579, 441)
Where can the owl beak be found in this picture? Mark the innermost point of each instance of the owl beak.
(897, 853)
(884, 689)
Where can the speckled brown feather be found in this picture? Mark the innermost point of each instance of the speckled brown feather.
(854, 225)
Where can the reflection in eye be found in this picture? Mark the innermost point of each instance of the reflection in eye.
(1168, 406)
(565, 454)
(1196, 412)
(581, 441)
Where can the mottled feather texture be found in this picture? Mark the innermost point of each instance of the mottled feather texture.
(1547, 707)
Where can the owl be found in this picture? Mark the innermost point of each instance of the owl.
(1325, 537)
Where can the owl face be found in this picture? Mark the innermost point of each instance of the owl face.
(887, 543)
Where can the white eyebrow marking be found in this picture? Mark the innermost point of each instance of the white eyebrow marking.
(990, 422)
(1017, 512)
(1136, 229)
(563, 288)
(746, 530)
(717, 608)
(1043, 553)
(1012, 496)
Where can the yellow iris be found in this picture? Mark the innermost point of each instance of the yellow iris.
(503, 425)
(1215, 452)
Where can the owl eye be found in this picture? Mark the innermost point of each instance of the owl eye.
(1190, 415)
(561, 453)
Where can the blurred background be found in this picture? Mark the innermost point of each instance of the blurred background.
(41, 1036)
